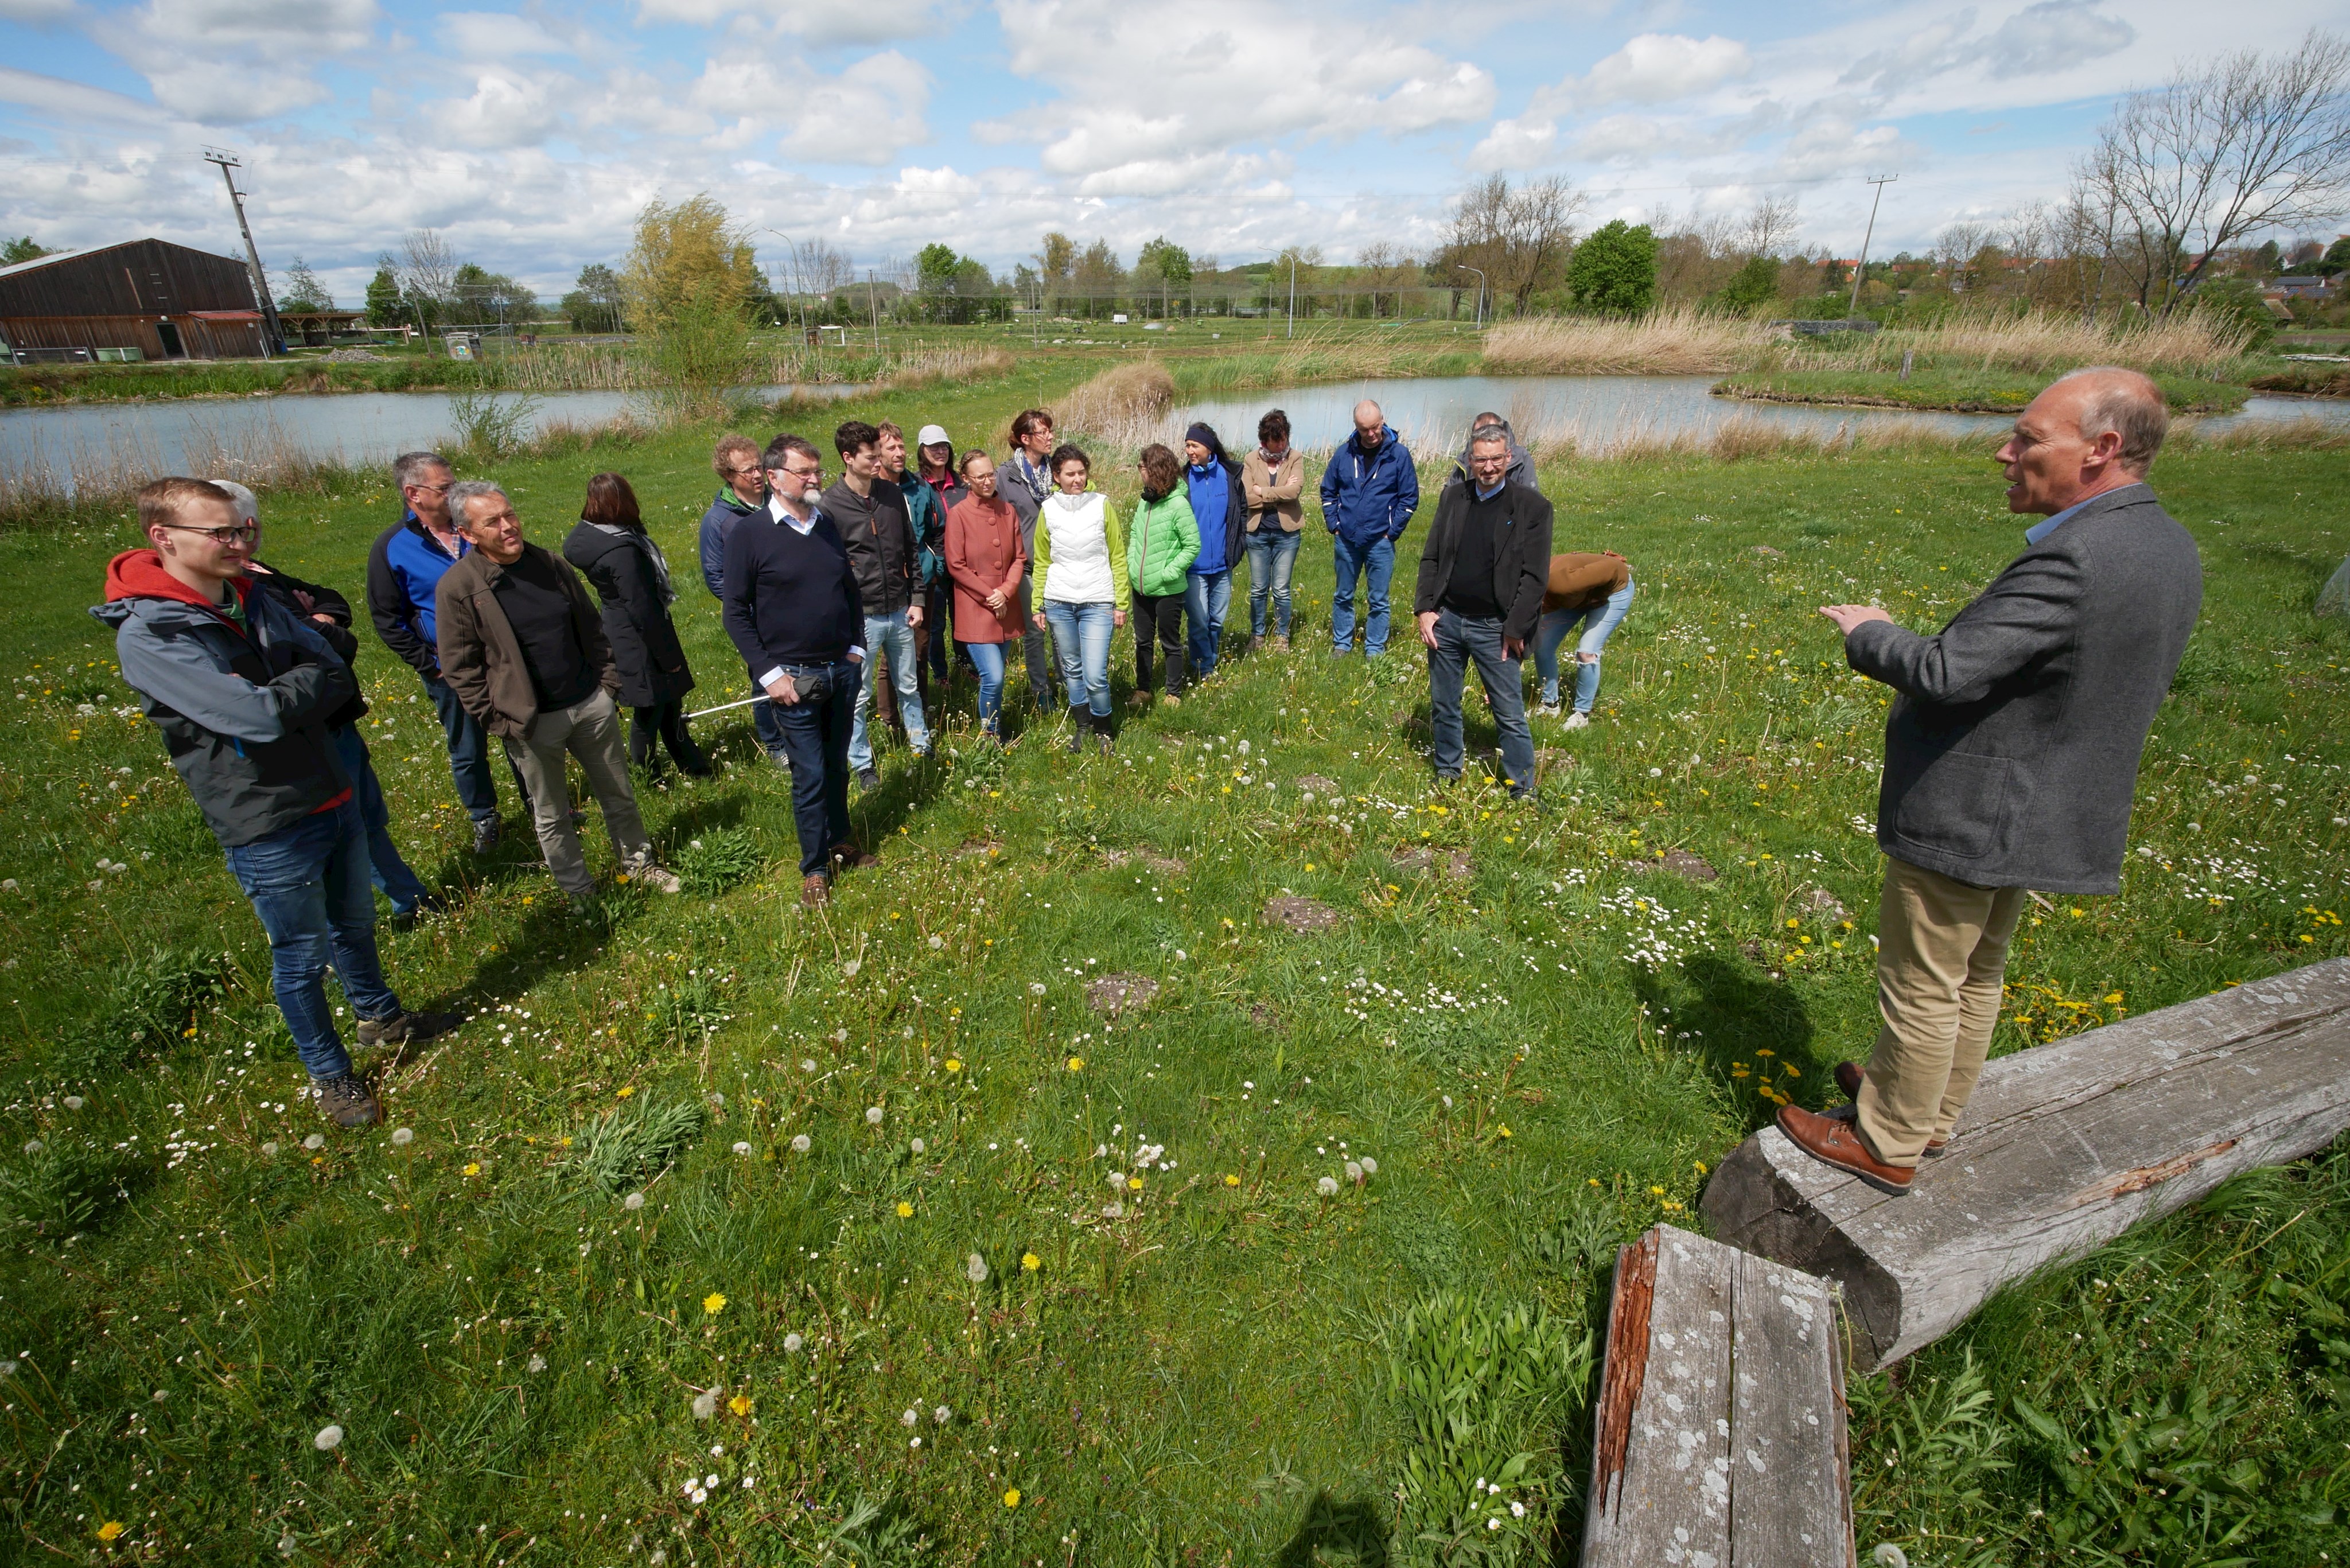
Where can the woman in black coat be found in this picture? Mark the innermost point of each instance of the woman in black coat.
(612, 551)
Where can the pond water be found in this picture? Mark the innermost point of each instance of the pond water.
(190, 434)
(1601, 412)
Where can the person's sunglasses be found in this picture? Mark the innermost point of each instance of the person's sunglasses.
(241, 534)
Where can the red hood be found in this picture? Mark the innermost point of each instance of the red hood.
(140, 575)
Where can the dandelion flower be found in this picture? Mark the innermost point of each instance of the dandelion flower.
(905, 1210)
(800, 1144)
(1077, 1063)
(109, 1529)
(624, 1091)
(73, 1101)
(1327, 1187)
(807, 1064)
(873, 1116)
(792, 1342)
(975, 1270)
(740, 1404)
(1231, 1181)
(329, 1438)
(32, 1146)
(1354, 1172)
(741, 1148)
(633, 1202)
(1504, 1129)
(314, 1142)
(538, 1364)
(1029, 1263)
(473, 1168)
(1012, 1498)
(953, 1065)
(937, 942)
(911, 1418)
(942, 1415)
(706, 1405)
(918, 1145)
(403, 1136)
(714, 1302)
(1035, 988)
(1371, 1166)
(269, 1149)
(1134, 1184)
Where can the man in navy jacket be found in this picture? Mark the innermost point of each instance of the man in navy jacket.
(1368, 494)
(404, 572)
(742, 492)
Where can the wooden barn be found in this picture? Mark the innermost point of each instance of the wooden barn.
(161, 300)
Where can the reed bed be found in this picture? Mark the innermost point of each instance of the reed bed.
(1679, 341)
(1125, 408)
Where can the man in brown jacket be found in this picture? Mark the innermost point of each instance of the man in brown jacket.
(1272, 477)
(523, 647)
(1593, 592)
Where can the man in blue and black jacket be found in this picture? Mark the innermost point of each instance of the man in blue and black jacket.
(404, 570)
(1368, 494)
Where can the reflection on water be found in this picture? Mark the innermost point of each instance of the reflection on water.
(167, 437)
(1598, 412)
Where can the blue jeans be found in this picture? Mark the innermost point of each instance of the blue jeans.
(1460, 640)
(1376, 561)
(987, 658)
(1272, 557)
(1207, 595)
(888, 635)
(308, 883)
(1598, 623)
(762, 720)
(468, 755)
(389, 871)
(1081, 636)
(815, 738)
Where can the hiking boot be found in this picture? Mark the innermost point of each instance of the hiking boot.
(781, 759)
(1281, 644)
(485, 835)
(816, 891)
(407, 1028)
(430, 904)
(643, 870)
(848, 858)
(1173, 700)
(1576, 720)
(868, 779)
(1081, 720)
(347, 1101)
(1138, 700)
(1838, 1143)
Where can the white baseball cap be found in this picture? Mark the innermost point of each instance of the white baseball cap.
(932, 435)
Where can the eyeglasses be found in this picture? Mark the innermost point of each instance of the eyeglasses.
(432, 489)
(815, 473)
(241, 534)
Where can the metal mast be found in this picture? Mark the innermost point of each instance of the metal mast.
(1860, 268)
(228, 161)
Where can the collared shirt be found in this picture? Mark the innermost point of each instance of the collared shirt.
(1485, 494)
(776, 512)
(2047, 525)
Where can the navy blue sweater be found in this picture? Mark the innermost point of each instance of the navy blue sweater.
(789, 598)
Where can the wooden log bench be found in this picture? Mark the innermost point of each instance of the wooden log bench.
(1720, 1431)
(2064, 1146)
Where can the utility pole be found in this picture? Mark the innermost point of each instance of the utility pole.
(1293, 292)
(1860, 268)
(1481, 295)
(873, 300)
(277, 334)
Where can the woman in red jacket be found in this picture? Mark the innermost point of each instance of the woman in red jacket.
(985, 563)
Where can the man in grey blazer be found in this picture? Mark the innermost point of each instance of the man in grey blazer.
(2011, 754)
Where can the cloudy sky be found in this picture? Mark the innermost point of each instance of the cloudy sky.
(531, 136)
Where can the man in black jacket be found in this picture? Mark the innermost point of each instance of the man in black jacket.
(1482, 574)
(2011, 754)
(797, 617)
(868, 512)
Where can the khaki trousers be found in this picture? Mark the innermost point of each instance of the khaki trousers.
(1941, 953)
(590, 730)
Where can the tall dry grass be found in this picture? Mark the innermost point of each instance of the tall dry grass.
(1125, 408)
(1678, 341)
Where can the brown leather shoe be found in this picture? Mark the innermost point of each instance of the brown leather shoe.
(848, 858)
(1836, 1143)
(816, 891)
(1847, 1077)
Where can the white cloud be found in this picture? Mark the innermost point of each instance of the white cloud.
(506, 110)
(868, 114)
(496, 35)
(73, 101)
(280, 29)
(1652, 68)
(33, 13)
(226, 62)
(817, 21)
(2043, 39)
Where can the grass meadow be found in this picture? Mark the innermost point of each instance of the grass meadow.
(742, 1234)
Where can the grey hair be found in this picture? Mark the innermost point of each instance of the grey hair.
(2127, 403)
(248, 510)
(468, 490)
(1489, 435)
(409, 466)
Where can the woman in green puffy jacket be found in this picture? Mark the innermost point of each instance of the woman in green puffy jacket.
(1161, 545)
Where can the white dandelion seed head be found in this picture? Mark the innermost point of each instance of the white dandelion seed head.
(1354, 1171)
(975, 1269)
(314, 1142)
(7, 1369)
(1371, 1166)
(807, 1064)
(706, 1405)
(1113, 1210)
(1327, 1187)
(73, 1102)
(942, 1415)
(287, 1545)
(1035, 988)
(919, 1147)
(538, 1364)
(633, 1202)
(32, 1146)
(937, 942)
(1448, 1102)
(269, 1149)
(1888, 1555)
(161, 1395)
(1117, 1179)
(1655, 772)
(801, 1143)
(840, 1037)
(1244, 748)
(873, 1116)
(911, 1417)
(1182, 956)
(741, 1148)
(792, 1342)
(403, 1136)
(330, 1438)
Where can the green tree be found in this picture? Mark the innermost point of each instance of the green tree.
(22, 250)
(303, 291)
(1755, 284)
(384, 305)
(1162, 269)
(1099, 277)
(594, 303)
(1615, 271)
(689, 277)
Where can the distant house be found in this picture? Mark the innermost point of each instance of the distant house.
(2317, 288)
(141, 299)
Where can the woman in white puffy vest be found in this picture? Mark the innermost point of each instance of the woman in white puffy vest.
(1080, 570)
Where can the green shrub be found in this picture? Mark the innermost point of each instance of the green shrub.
(719, 859)
(627, 1148)
(151, 1005)
(65, 1187)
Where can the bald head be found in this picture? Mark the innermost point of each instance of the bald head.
(2087, 432)
(1371, 424)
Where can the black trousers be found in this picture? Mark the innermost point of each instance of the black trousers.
(1164, 614)
(664, 723)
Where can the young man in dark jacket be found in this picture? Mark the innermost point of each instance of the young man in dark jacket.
(1482, 577)
(404, 568)
(2011, 755)
(1370, 492)
(243, 690)
(797, 617)
(523, 648)
(742, 492)
(870, 513)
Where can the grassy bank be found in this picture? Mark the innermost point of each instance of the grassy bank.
(1540, 1042)
(1956, 388)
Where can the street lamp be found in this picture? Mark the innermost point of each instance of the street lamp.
(1481, 292)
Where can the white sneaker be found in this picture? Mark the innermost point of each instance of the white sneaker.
(1576, 721)
(653, 877)
(1547, 711)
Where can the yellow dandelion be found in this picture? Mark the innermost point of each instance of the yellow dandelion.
(624, 1091)
(471, 1169)
(109, 1529)
(1030, 1262)
(2113, 996)
(714, 1302)
(1309, 865)
(905, 1210)
(1506, 1129)
(1656, 1192)
(1134, 1183)
(1791, 924)
(953, 1065)
(1700, 1165)
(740, 1404)
(1231, 1181)
(1012, 1498)
(1077, 1063)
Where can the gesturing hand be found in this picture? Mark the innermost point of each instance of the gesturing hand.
(1428, 628)
(1847, 617)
